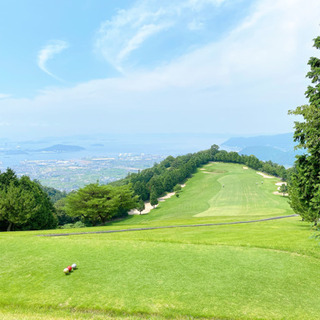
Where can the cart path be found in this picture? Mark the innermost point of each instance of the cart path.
(165, 227)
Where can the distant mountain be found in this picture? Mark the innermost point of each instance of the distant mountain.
(285, 158)
(282, 142)
(59, 148)
(277, 148)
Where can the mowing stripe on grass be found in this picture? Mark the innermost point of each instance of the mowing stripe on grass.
(164, 227)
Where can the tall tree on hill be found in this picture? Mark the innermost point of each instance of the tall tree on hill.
(304, 190)
(23, 204)
(141, 206)
(16, 205)
(153, 198)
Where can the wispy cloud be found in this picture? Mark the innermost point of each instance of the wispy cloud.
(48, 52)
(243, 82)
(127, 31)
(134, 43)
(4, 96)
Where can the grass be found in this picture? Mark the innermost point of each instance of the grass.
(219, 192)
(265, 270)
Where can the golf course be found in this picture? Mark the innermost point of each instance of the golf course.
(267, 269)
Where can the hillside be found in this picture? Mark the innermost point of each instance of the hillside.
(276, 148)
(228, 193)
(283, 142)
(261, 270)
(266, 153)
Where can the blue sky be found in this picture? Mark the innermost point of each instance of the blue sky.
(211, 66)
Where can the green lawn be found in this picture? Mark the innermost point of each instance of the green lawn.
(219, 192)
(265, 270)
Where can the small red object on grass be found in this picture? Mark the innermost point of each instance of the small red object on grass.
(69, 268)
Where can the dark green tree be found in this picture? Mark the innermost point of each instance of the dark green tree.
(16, 205)
(63, 217)
(99, 204)
(140, 206)
(153, 198)
(304, 189)
(283, 189)
(54, 194)
(24, 205)
(127, 199)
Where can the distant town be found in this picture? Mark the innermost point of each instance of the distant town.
(68, 175)
(69, 163)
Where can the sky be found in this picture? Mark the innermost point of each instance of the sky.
(172, 66)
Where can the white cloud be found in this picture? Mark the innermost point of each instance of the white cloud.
(127, 31)
(264, 47)
(243, 83)
(48, 52)
(142, 34)
(4, 96)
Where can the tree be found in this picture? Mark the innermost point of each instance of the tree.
(7, 177)
(156, 185)
(54, 194)
(153, 198)
(23, 204)
(140, 189)
(304, 190)
(141, 206)
(16, 205)
(98, 204)
(283, 189)
(44, 217)
(214, 149)
(63, 217)
(127, 199)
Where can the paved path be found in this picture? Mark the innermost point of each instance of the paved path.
(164, 227)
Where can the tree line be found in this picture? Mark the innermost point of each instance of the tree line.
(163, 177)
(26, 204)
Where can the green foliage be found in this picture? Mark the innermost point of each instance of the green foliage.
(220, 263)
(17, 205)
(63, 217)
(304, 191)
(283, 189)
(99, 204)
(78, 224)
(162, 177)
(267, 270)
(23, 204)
(54, 194)
(153, 198)
(243, 197)
(141, 206)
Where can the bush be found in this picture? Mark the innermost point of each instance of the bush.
(78, 224)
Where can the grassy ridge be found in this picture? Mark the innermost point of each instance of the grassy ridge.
(205, 200)
(266, 270)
